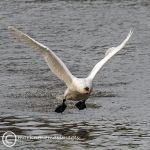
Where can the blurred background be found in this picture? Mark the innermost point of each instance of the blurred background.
(79, 32)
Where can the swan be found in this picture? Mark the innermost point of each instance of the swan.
(78, 89)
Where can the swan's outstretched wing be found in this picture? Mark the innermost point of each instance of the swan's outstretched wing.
(109, 53)
(54, 63)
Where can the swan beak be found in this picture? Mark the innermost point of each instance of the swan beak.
(89, 92)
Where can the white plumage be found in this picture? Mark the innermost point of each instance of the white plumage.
(77, 88)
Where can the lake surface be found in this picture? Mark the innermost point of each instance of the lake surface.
(79, 32)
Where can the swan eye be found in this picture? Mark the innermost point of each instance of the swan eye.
(86, 88)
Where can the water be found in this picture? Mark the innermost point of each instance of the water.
(79, 32)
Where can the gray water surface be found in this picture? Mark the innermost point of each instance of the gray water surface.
(79, 32)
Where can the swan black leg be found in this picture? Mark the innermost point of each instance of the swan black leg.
(80, 105)
(60, 108)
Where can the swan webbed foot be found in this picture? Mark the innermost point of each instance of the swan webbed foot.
(81, 105)
(60, 108)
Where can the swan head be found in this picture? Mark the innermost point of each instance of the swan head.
(84, 85)
(87, 90)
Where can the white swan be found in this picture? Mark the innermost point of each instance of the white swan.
(77, 88)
